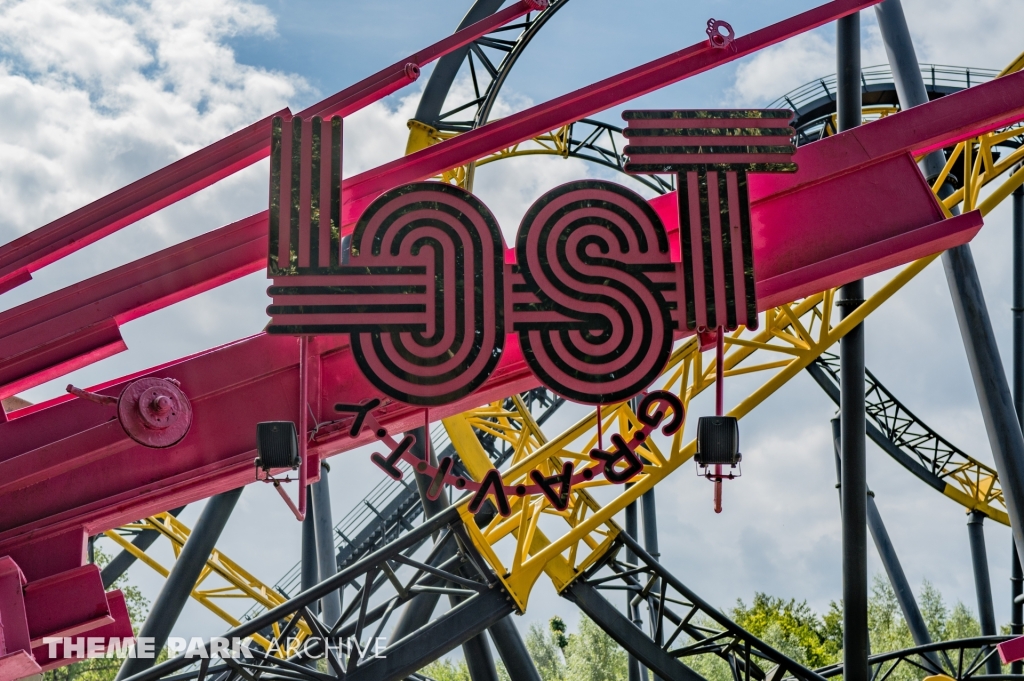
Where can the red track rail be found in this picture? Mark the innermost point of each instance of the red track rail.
(67, 463)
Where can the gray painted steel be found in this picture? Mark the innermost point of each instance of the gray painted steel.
(906, 73)
(1016, 606)
(506, 636)
(490, 602)
(1017, 575)
(890, 561)
(405, 656)
(851, 396)
(1018, 303)
(330, 606)
(635, 673)
(419, 610)
(649, 506)
(627, 635)
(178, 587)
(310, 561)
(447, 67)
(997, 405)
(416, 616)
(982, 581)
(512, 650)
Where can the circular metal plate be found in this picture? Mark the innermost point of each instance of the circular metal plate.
(154, 412)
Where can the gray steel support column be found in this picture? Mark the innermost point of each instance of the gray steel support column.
(997, 407)
(330, 605)
(897, 578)
(309, 569)
(419, 610)
(1016, 574)
(417, 613)
(890, 561)
(1016, 607)
(982, 581)
(405, 656)
(478, 655)
(124, 560)
(178, 587)
(649, 507)
(632, 529)
(512, 650)
(636, 642)
(851, 390)
(650, 511)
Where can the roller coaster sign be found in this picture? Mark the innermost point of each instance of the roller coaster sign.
(618, 464)
(423, 288)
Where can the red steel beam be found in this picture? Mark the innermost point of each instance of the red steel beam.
(26, 254)
(51, 336)
(67, 463)
(66, 347)
(76, 326)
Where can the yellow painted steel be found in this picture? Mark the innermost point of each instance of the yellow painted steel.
(421, 136)
(792, 337)
(240, 583)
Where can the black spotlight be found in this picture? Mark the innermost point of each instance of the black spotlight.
(277, 445)
(718, 441)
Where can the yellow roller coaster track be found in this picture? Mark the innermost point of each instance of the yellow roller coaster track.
(240, 584)
(791, 337)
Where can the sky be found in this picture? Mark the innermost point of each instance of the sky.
(97, 94)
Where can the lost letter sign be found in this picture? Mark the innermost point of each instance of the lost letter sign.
(424, 292)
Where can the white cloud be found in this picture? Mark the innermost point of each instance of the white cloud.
(95, 95)
(976, 34)
(782, 68)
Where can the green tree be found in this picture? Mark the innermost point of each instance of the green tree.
(592, 655)
(447, 670)
(545, 647)
(791, 628)
(887, 629)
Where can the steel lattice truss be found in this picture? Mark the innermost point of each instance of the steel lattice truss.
(959, 660)
(394, 507)
(680, 625)
(383, 583)
(918, 447)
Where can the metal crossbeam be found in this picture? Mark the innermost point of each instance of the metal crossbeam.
(793, 336)
(959, 660)
(238, 583)
(918, 447)
(400, 500)
(390, 567)
(680, 625)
